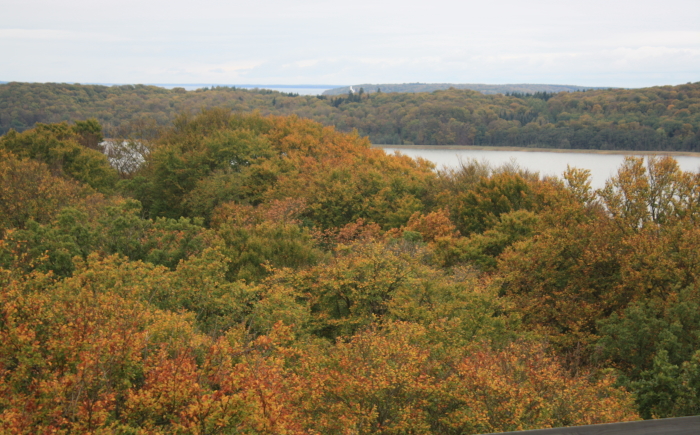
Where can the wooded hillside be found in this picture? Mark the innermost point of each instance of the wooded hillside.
(660, 118)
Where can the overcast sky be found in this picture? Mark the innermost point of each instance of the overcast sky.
(625, 43)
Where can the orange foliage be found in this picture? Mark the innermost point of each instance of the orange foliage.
(435, 225)
(395, 382)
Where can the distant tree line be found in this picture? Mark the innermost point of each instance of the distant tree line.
(524, 88)
(659, 118)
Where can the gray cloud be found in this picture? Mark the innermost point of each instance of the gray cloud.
(618, 43)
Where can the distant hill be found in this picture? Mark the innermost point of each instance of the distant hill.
(661, 118)
(523, 88)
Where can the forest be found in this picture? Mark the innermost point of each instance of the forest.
(664, 118)
(245, 274)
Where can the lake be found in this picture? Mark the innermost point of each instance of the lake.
(602, 166)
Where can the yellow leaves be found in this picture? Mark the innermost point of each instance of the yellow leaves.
(99, 358)
(654, 194)
(343, 179)
(28, 190)
(279, 303)
(587, 266)
(579, 183)
(522, 387)
(395, 380)
(372, 383)
(280, 211)
(170, 384)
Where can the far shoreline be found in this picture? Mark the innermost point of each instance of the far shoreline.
(546, 150)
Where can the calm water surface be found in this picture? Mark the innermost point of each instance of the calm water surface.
(602, 166)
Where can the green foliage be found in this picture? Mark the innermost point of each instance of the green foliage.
(370, 282)
(41, 248)
(114, 229)
(482, 249)
(89, 133)
(59, 146)
(259, 238)
(646, 328)
(654, 345)
(667, 390)
(658, 118)
(482, 206)
(203, 162)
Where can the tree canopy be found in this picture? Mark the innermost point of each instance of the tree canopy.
(266, 274)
